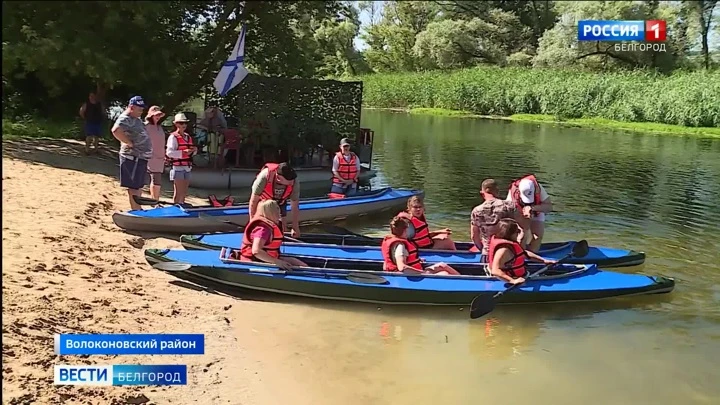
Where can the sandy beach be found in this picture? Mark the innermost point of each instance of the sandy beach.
(68, 269)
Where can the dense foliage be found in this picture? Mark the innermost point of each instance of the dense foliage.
(683, 98)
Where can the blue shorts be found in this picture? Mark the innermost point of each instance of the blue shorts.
(179, 174)
(133, 172)
(93, 129)
(348, 190)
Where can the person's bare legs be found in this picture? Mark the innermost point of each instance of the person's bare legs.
(96, 143)
(294, 261)
(88, 142)
(131, 193)
(154, 188)
(180, 190)
(444, 244)
(537, 228)
(442, 268)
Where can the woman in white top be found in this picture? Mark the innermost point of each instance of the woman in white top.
(156, 164)
(180, 149)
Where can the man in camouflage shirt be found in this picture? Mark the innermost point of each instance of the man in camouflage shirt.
(484, 217)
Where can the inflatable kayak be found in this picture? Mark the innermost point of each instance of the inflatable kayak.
(177, 219)
(352, 246)
(340, 279)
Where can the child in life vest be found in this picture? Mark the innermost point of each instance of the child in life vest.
(506, 256)
(399, 254)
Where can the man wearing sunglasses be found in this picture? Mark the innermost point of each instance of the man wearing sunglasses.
(346, 170)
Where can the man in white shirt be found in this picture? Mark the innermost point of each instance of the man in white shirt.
(531, 198)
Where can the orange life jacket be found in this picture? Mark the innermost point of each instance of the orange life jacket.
(346, 170)
(226, 202)
(272, 246)
(184, 146)
(514, 267)
(413, 259)
(422, 238)
(515, 193)
(268, 192)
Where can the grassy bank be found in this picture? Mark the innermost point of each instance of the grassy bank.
(40, 128)
(640, 127)
(687, 99)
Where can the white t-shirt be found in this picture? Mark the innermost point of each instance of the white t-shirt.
(171, 150)
(543, 196)
(399, 251)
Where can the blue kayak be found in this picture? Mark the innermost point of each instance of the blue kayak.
(348, 246)
(338, 279)
(177, 219)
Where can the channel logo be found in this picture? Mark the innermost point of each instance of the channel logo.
(639, 30)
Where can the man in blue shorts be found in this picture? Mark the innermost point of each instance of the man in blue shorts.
(135, 149)
(92, 113)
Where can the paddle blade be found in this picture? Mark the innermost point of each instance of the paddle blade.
(145, 201)
(580, 249)
(172, 266)
(481, 305)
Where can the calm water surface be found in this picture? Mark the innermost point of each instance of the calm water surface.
(660, 195)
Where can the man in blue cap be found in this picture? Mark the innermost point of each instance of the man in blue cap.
(135, 149)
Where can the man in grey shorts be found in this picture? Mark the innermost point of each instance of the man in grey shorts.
(135, 149)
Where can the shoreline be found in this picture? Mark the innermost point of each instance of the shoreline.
(68, 269)
(587, 123)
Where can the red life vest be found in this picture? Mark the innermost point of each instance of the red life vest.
(346, 170)
(413, 259)
(226, 202)
(272, 246)
(515, 193)
(268, 192)
(184, 146)
(422, 238)
(514, 267)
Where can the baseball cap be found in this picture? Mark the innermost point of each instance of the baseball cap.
(344, 141)
(527, 191)
(137, 101)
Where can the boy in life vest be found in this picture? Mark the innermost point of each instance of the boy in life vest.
(399, 254)
(506, 256)
(263, 238)
(346, 170)
(278, 182)
(533, 202)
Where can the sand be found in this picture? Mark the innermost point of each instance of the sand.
(68, 269)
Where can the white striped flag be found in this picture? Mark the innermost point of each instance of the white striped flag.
(232, 71)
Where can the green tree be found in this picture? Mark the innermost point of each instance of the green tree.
(461, 43)
(702, 12)
(166, 51)
(559, 46)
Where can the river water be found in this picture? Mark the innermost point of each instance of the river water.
(656, 194)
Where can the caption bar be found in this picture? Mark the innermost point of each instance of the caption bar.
(88, 344)
(123, 374)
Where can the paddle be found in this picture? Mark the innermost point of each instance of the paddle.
(149, 201)
(485, 303)
(338, 230)
(356, 277)
(208, 217)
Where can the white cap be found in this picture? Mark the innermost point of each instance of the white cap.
(527, 191)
